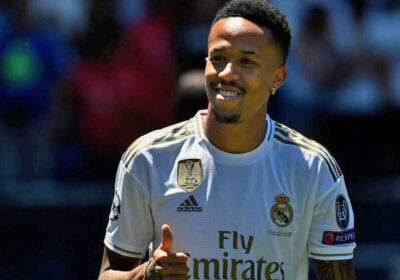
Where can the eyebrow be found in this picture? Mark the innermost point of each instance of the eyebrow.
(242, 51)
(250, 52)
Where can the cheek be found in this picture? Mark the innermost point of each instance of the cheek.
(259, 80)
(209, 69)
(266, 78)
(210, 73)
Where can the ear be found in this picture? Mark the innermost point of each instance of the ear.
(280, 76)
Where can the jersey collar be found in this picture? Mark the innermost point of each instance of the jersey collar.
(231, 158)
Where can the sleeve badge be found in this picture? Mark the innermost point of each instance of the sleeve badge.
(115, 208)
(342, 212)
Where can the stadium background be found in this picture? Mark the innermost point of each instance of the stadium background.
(80, 79)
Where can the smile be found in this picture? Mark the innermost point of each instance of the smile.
(228, 93)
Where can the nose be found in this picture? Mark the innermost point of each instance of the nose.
(229, 72)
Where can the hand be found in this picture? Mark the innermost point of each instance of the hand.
(165, 264)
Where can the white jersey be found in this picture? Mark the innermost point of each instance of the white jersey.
(255, 215)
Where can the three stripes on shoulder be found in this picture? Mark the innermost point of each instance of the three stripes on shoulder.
(168, 134)
(178, 131)
(289, 136)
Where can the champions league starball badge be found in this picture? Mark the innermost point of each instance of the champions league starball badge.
(115, 208)
(282, 211)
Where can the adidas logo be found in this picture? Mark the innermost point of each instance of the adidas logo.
(189, 205)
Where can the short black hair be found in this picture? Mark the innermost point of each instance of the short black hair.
(263, 13)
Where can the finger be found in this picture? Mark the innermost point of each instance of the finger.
(174, 269)
(167, 239)
(173, 258)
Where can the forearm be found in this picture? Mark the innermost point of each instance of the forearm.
(113, 274)
(334, 269)
(118, 267)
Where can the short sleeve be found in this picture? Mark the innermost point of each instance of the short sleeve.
(130, 226)
(332, 235)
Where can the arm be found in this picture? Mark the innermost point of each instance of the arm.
(115, 266)
(164, 263)
(334, 269)
(332, 232)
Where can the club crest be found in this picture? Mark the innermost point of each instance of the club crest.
(190, 174)
(282, 211)
(342, 212)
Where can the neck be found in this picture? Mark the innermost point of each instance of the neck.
(240, 137)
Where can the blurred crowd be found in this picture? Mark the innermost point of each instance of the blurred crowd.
(81, 79)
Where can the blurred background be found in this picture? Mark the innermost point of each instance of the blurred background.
(81, 79)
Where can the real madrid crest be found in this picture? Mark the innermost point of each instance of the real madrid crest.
(190, 174)
(281, 211)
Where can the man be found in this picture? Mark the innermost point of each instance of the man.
(246, 197)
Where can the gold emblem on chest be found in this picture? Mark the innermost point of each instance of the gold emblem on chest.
(282, 211)
(190, 174)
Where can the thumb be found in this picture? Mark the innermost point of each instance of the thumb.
(167, 238)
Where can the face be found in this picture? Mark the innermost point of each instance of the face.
(242, 67)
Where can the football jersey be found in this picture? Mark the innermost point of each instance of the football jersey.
(254, 215)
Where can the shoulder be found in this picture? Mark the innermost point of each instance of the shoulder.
(297, 146)
(161, 138)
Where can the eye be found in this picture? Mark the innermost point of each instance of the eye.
(246, 60)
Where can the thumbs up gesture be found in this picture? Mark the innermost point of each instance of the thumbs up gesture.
(165, 264)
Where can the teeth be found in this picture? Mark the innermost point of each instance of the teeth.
(228, 93)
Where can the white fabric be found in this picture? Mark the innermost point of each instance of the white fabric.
(234, 235)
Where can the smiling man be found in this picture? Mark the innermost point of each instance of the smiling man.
(245, 196)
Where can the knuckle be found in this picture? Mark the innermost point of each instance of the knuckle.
(182, 256)
(163, 272)
(161, 258)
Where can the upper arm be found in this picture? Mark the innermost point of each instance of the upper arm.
(334, 269)
(130, 227)
(114, 261)
(332, 234)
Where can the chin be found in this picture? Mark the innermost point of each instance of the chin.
(225, 118)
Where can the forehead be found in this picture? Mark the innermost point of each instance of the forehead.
(239, 29)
